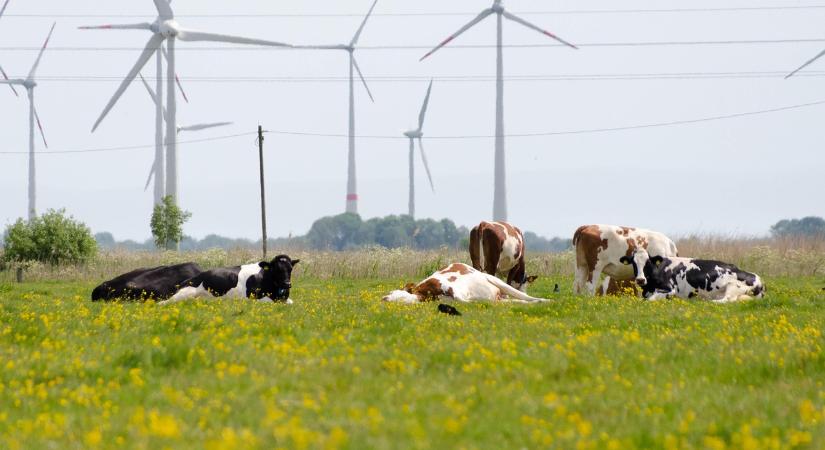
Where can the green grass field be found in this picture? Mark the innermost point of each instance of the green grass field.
(340, 369)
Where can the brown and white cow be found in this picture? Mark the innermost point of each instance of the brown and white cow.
(600, 248)
(497, 248)
(459, 282)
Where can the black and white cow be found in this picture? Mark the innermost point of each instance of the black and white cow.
(157, 283)
(268, 281)
(720, 282)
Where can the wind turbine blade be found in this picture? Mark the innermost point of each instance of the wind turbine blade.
(458, 33)
(320, 47)
(360, 75)
(129, 26)
(7, 77)
(40, 56)
(148, 51)
(423, 113)
(40, 126)
(177, 78)
(200, 36)
(204, 126)
(151, 174)
(152, 94)
(529, 25)
(363, 24)
(4, 7)
(806, 64)
(164, 10)
(426, 164)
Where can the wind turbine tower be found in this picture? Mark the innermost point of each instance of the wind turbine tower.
(29, 84)
(500, 195)
(412, 135)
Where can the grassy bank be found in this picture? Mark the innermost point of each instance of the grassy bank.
(340, 369)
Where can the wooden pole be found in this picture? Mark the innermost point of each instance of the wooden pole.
(263, 189)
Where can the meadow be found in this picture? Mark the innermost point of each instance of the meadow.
(341, 369)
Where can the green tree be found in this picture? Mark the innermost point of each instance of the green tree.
(52, 238)
(807, 226)
(167, 224)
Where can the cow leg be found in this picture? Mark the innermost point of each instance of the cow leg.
(580, 280)
(593, 281)
(186, 293)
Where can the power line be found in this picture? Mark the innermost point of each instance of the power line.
(455, 46)
(453, 78)
(125, 148)
(461, 137)
(443, 14)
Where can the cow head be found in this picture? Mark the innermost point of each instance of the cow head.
(276, 277)
(642, 263)
(405, 295)
(525, 282)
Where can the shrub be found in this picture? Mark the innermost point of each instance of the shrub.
(167, 224)
(52, 238)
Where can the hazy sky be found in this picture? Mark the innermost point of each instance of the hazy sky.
(734, 176)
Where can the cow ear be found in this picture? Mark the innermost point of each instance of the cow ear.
(263, 265)
(295, 261)
(625, 260)
(657, 260)
(532, 278)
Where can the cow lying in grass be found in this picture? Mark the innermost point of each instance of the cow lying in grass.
(662, 277)
(157, 283)
(268, 281)
(460, 282)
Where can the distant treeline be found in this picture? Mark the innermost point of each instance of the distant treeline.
(350, 232)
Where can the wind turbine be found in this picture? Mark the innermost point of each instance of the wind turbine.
(157, 165)
(166, 28)
(3, 72)
(500, 195)
(29, 84)
(352, 181)
(413, 135)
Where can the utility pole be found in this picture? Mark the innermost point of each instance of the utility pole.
(263, 188)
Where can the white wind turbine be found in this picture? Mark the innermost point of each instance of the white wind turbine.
(413, 135)
(157, 164)
(29, 84)
(500, 196)
(166, 28)
(352, 181)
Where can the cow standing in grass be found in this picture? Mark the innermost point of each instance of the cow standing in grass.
(600, 248)
(268, 281)
(497, 248)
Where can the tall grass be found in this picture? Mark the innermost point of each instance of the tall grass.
(767, 257)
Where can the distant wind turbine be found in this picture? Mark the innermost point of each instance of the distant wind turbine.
(3, 72)
(413, 135)
(157, 165)
(166, 28)
(352, 181)
(29, 84)
(500, 195)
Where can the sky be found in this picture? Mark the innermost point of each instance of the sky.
(731, 177)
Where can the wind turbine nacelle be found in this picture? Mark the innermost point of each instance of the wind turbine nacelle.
(169, 28)
(497, 7)
(414, 134)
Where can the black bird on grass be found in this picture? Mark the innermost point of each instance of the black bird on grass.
(556, 289)
(447, 309)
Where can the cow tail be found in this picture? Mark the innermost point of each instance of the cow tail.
(578, 235)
